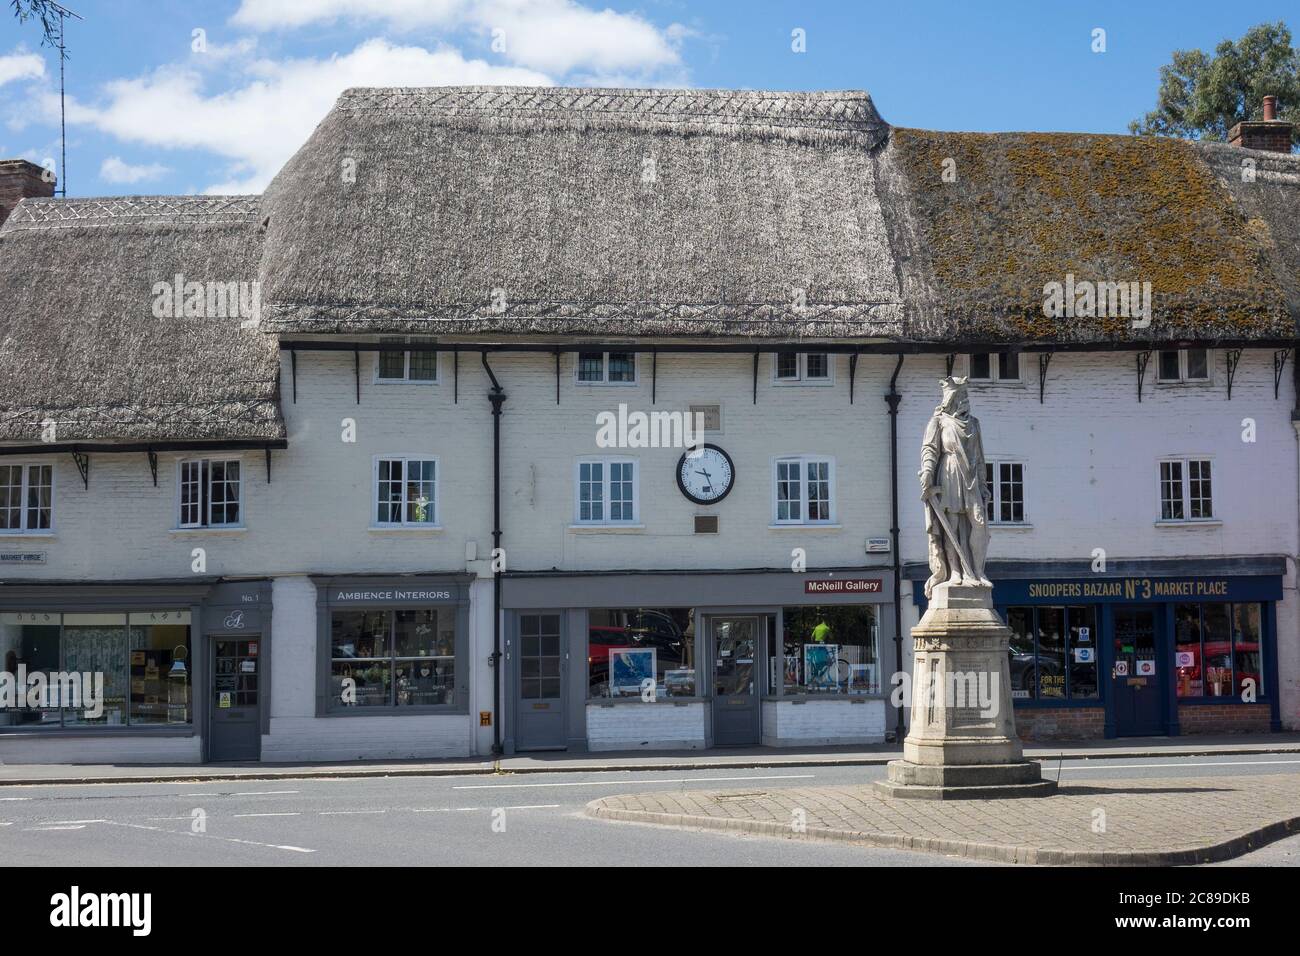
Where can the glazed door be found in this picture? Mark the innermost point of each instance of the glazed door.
(234, 705)
(736, 649)
(1137, 674)
(540, 698)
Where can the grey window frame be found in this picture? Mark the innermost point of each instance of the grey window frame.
(25, 506)
(397, 342)
(459, 588)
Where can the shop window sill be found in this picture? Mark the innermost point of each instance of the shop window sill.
(1191, 523)
(604, 528)
(619, 701)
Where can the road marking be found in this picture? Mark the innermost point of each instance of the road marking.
(626, 783)
(263, 793)
(15, 798)
(210, 836)
(1178, 766)
(293, 814)
(80, 826)
(339, 813)
(535, 806)
(444, 809)
(58, 823)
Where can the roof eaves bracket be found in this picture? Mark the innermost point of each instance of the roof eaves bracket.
(853, 371)
(356, 369)
(951, 360)
(268, 464)
(1233, 356)
(1142, 359)
(153, 466)
(654, 376)
(755, 376)
(83, 465)
(1044, 360)
(557, 376)
(455, 377)
(1279, 365)
(293, 373)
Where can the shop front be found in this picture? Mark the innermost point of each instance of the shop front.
(1151, 652)
(121, 673)
(689, 660)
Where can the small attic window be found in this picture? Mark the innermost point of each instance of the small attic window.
(994, 367)
(398, 364)
(1183, 365)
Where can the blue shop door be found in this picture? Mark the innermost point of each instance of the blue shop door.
(1137, 673)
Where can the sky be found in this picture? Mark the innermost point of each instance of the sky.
(212, 96)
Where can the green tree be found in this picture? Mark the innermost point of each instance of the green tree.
(1203, 96)
(46, 12)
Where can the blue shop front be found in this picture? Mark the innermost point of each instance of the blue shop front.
(1162, 648)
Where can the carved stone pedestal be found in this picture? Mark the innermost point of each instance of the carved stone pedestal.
(962, 743)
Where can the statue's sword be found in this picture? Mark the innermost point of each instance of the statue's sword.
(947, 529)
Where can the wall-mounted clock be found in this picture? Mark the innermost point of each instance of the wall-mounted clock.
(706, 477)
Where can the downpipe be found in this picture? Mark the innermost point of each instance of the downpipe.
(497, 397)
(893, 398)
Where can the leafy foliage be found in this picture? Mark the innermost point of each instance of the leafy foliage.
(47, 13)
(1203, 96)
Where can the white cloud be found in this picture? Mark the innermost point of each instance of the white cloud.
(552, 35)
(21, 66)
(259, 123)
(115, 170)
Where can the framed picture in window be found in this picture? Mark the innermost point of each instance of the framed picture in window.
(820, 666)
(629, 668)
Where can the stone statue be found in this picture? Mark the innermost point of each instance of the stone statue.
(952, 487)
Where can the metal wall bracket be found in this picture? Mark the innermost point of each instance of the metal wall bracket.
(1044, 360)
(654, 376)
(853, 371)
(1233, 356)
(1142, 359)
(268, 464)
(557, 376)
(293, 373)
(356, 370)
(455, 377)
(1279, 364)
(153, 466)
(950, 359)
(83, 466)
(755, 377)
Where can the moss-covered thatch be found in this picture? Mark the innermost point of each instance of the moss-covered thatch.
(80, 344)
(1021, 210)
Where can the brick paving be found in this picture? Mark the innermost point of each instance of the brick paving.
(1159, 821)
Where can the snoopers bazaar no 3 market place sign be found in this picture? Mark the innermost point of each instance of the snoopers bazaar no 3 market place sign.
(843, 586)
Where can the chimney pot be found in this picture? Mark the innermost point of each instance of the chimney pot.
(1270, 109)
(21, 180)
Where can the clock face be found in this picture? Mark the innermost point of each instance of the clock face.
(706, 475)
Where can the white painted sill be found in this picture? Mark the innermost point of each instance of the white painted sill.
(819, 526)
(12, 535)
(405, 529)
(604, 528)
(1191, 523)
(1010, 383)
(200, 532)
(1012, 525)
(803, 383)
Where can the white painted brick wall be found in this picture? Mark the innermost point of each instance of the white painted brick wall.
(638, 726)
(60, 749)
(822, 722)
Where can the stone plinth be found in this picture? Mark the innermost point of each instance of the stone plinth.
(962, 742)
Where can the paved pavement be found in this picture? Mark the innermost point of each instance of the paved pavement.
(1166, 821)
(560, 762)
(490, 820)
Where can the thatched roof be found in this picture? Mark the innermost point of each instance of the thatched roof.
(712, 213)
(592, 211)
(80, 344)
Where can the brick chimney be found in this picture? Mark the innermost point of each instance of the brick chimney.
(1269, 133)
(20, 179)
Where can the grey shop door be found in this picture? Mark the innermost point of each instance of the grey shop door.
(736, 645)
(539, 708)
(235, 724)
(1137, 679)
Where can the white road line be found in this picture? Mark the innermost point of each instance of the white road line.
(15, 798)
(209, 836)
(58, 823)
(80, 826)
(444, 809)
(340, 813)
(293, 814)
(628, 783)
(263, 793)
(535, 806)
(1171, 766)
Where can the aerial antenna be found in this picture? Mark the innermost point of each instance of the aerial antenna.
(62, 188)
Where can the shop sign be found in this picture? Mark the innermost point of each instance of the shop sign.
(224, 700)
(23, 557)
(1139, 589)
(1083, 655)
(393, 594)
(843, 586)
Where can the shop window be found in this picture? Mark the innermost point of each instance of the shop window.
(1183, 365)
(627, 647)
(1004, 484)
(826, 650)
(606, 368)
(1186, 491)
(405, 365)
(393, 659)
(124, 670)
(606, 492)
(1217, 650)
(26, 498)
(994, 366)
(802, 368)
(1053, 652)
(210, 493)
(406, 492)
(804, 491)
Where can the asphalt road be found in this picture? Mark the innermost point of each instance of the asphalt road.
(524, 819)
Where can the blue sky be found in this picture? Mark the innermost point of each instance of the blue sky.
(149, 113)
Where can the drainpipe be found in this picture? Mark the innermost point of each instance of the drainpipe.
(892, 399)
(497, 397)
